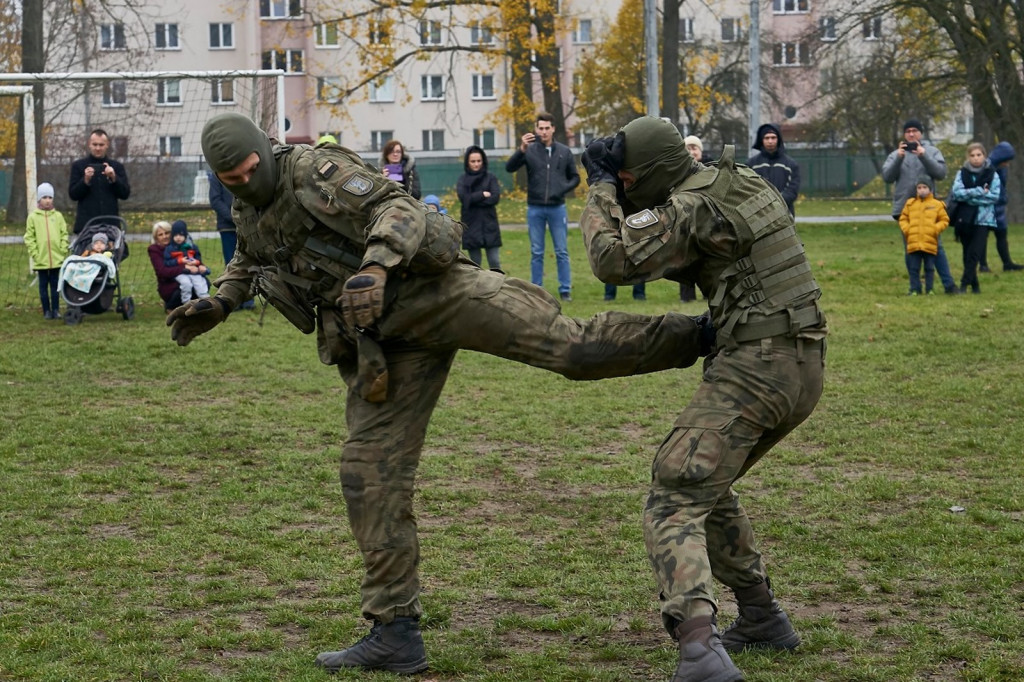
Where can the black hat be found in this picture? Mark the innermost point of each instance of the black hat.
(912, 123)
(179, 227)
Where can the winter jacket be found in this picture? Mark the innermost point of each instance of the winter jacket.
(922, 221)
(1000, 154)
(969, 187)
(549, 177)
(777, 167)
(905, 172)
(220, 202)
(166, 285)
(179, 253)
(410, 175)
(479, 214)
(100, 196)
(46, 236)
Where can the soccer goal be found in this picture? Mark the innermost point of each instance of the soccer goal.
(154, 120)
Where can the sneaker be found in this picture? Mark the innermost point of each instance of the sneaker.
(47, 315)
(953, 291)
(566, 297)
(929, 293)
(396, 647)
(607, 297)
(641, 297)
(984, 268)
(914, 293)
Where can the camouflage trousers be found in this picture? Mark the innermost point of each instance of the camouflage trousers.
(694, 525)
(428, 322)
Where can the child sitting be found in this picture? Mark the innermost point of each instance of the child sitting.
(100, 246)
(922, 220)
(182, 251)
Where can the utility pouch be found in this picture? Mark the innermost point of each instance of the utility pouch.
(283, 297)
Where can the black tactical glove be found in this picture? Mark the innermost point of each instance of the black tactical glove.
(362, 297)
(196, 317)
(604, 158)
(707, 333)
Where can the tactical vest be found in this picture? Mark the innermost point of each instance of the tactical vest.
(308, 242)
(771, 291)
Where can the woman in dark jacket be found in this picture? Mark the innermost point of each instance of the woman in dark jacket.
(166, 285)
(400, 167)
(479, 193)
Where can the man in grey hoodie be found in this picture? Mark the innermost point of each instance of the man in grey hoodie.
(908, 162)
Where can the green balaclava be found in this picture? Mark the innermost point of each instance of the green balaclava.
(657, 157)
(228, 140)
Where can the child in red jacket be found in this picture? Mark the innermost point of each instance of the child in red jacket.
(183, 251)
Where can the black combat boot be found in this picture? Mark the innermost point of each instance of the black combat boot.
(397, 647)
(701, 656)
(761, 623)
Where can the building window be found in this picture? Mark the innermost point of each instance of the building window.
(114, 94)
(280, 9)
(433, 140)
(484, 138)
(827, 80)
(383, 89)
(686, 34)
(221, 37)
(732, 30)
(828, 29)
(112, 37)
(965, 126)
(166, 37)
(585, 137)
(378, 32)
(289, 61)
(379, 138)
(873, 28)
(329, 89)
(791, 6)
(170, 145)
(326, 34)
(582, 32)
(790, 54)
(222, 91)
(168, 92)
(430, 32)
(431, 88)
(483, 86)
(480, 35)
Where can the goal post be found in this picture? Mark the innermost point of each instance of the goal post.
(24, 93)
(154, 120)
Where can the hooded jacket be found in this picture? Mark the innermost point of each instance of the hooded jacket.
(905, 172)
(549, 177)
(922, 221)
(776, 167)
(46, 236)
(479, 213)
(1000, 154)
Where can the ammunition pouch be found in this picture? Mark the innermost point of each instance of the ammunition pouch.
(269, 283)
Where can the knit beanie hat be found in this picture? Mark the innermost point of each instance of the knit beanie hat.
(926, 180)
(694, 140)
(179, 227)
(44, 190)
(913, 123)
(100, 237)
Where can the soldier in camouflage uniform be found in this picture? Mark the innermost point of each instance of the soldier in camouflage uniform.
(652, 212)
(344, 252)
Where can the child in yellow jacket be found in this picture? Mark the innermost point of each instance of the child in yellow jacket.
(46, 236)
(922, 221)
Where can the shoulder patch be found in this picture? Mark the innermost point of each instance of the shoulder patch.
(358, 184)
(644, 218)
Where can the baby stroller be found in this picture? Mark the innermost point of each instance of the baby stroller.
(89, 284)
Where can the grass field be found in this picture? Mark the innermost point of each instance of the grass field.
(175, 514)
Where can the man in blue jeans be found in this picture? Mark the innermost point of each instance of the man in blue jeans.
(550, 175)
(913, 158)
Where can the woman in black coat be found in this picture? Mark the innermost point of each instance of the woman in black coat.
(479, 193)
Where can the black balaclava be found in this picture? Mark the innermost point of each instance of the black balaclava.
(657, 157)
(228, 140)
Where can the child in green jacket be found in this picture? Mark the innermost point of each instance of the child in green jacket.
(46, 236)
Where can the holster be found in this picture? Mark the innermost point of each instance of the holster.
(372, 372)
